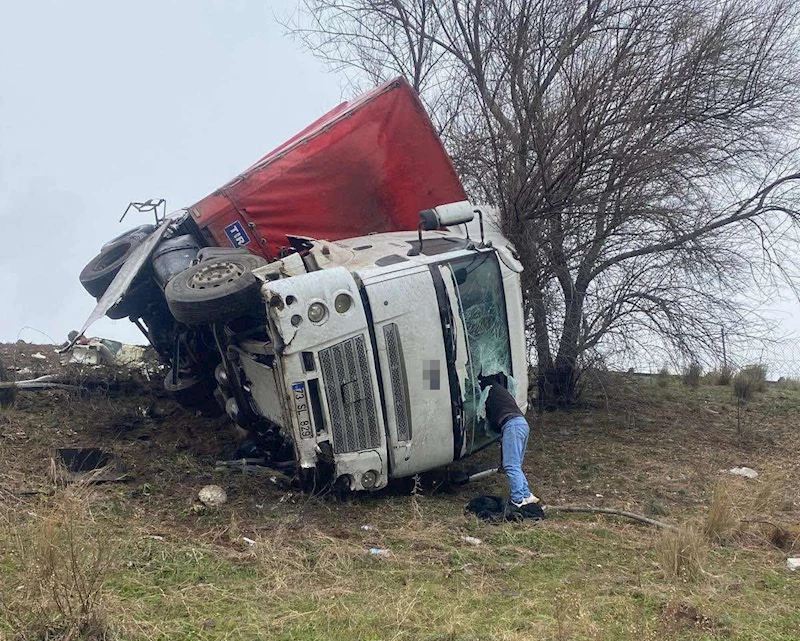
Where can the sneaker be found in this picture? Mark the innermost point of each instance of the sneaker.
(527, 501)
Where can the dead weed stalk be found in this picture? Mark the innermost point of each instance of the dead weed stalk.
(60, 561)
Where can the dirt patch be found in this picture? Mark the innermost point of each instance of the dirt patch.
(680, 616)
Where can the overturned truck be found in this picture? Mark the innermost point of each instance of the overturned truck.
(339, 299)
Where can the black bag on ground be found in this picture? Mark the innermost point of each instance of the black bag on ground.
(495, 509)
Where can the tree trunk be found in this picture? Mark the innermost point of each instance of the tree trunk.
(557, 386)
(557, 380)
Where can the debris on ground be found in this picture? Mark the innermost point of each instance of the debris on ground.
(496, 509)
(793, 563)
(87, 465)
(368, 528)
(7, 394)
(380, 552)
(93, 353)
(746, 472)
(249, 542)
(472, 540)
(212, 496)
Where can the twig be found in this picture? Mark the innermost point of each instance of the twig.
(604, 510)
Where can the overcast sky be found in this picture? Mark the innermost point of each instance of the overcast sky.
(107, 102)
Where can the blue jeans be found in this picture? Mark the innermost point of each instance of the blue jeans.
(515, 441)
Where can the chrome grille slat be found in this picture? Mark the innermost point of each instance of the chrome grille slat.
(397, 372)
(348, 386)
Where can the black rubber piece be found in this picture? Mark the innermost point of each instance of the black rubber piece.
(135, 300)
(194, 393)
(224, 302)
(101, 270)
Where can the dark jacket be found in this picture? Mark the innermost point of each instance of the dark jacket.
(500, 408)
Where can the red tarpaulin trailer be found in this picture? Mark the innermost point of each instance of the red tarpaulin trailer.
(369, 165)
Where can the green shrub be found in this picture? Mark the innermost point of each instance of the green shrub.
(692, 375)
(750, 381)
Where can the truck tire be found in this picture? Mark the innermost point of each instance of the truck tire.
(135, 235)
(216, 290)
(101, 270)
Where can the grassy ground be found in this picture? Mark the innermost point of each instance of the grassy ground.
(142, 560)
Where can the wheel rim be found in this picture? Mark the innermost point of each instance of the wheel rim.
(216, 274)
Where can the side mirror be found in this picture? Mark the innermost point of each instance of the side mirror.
(443, 216)
(447, 215)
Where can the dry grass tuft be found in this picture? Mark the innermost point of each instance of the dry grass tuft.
(723, 519)
(750, 381)
(284, 567)
(663, 377)
(721, 377)
(682, 552)
(59, 562)
(692, 375)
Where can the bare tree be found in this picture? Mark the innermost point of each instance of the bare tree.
(642, 153)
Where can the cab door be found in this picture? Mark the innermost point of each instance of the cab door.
(414, 372)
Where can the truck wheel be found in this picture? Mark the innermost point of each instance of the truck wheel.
(101, 270)
(135, 235)
(215, 290)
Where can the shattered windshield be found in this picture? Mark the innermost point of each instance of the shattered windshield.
(482, 304)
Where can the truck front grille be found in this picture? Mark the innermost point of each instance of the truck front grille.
(351, 401)
(397, 371)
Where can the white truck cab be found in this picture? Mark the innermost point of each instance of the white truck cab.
(376, 345)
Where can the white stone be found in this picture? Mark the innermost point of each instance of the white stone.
(212, 496)
(747, 472)
(793, 563)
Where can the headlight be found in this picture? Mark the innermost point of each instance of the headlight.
(342, 303)
(369, 479)
(317, 312)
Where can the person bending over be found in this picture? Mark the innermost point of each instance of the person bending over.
(503, 416)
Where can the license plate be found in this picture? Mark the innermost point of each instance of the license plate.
(301, 408)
